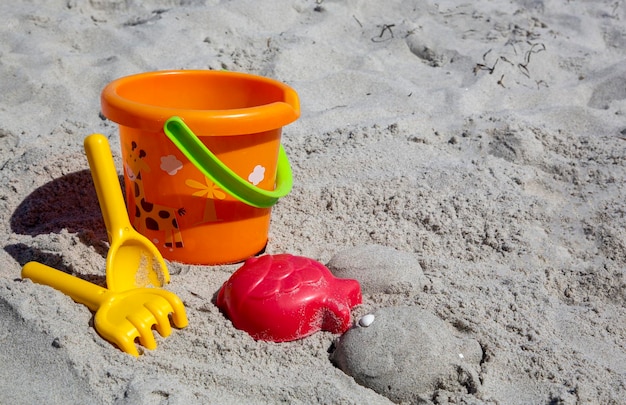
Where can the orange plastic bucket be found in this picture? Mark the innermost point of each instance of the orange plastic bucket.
(239, 118)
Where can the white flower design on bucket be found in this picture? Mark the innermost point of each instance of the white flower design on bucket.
(170, 164)
(257, 175)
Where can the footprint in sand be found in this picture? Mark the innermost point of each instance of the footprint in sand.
(609, 86)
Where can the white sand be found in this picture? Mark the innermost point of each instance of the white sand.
(488, 139)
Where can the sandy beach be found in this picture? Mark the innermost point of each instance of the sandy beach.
(465, 162)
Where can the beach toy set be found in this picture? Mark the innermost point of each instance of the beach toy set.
(203, 166)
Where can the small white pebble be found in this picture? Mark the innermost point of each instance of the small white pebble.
(461, 355)
(366, 320)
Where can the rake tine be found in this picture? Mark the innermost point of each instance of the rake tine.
(162, 319)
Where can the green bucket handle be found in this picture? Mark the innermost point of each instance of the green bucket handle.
(213, 168)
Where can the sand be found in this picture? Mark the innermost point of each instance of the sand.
(480, 146)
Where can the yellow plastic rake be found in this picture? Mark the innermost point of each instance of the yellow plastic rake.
(121, 316)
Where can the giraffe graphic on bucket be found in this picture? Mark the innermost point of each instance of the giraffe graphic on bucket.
(149, 215)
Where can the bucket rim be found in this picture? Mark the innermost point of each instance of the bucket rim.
(238, 121)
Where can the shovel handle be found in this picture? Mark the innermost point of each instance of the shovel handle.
(78, 289)
(107, 185)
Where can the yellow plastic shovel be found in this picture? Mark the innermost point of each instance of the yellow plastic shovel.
(132, 261)
(121, 317)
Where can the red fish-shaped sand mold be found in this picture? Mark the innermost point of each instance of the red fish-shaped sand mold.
(284, 297)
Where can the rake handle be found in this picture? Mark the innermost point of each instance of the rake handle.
(79, 290)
